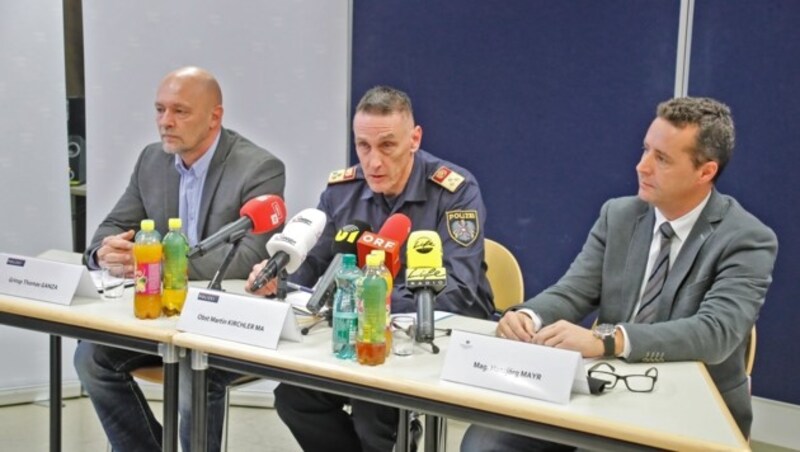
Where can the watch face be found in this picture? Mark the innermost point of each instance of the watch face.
(604, 329)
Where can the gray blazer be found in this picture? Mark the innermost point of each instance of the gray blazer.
(714, 289)
(239, 171)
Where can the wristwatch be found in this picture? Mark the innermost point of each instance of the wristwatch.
(607, 333)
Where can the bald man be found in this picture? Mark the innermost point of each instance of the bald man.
(202, 173)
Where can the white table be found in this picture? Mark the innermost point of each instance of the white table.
(684, 412)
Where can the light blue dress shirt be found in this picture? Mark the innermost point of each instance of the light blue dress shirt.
(191, 191)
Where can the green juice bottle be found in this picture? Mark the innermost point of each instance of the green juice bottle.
(175, 268)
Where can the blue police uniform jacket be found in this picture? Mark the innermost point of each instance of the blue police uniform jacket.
(458, 216)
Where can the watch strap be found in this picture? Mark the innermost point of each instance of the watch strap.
(609, 345)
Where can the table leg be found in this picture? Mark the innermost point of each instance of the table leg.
(55, 393)
(199, 400)
(169, 354)
(431, 433)
(403, 443)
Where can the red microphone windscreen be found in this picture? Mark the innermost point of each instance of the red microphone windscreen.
(267, 212)
(397, 227)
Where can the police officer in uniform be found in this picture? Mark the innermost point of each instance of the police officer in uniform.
(394, 175)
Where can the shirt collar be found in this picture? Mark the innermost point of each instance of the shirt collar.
(200, 167)
(683, 225)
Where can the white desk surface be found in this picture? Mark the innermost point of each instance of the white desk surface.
(684, 412)
(98, 314)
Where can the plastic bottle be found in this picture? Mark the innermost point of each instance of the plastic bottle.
(371, 298)
(387, 276)
(345, 317)
(147, 252)
(175, 269)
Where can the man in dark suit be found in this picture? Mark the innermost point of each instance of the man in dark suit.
(202, 173)
(691, 292)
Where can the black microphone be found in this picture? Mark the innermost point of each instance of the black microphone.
(259, 215)
(289, 248)
(425, 277)
(344, 242)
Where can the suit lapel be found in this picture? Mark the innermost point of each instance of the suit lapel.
(635, 265)
(172, 184)
(701, 231)
(214, 175)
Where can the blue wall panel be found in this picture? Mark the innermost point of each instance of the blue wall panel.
(545, 102)
(748, 54)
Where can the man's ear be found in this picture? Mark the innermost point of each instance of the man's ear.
(416, 138)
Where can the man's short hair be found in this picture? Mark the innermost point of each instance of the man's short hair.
(715, 131)
(385, 100)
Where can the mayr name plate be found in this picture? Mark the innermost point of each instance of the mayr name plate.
(238, 318)
(515, 367)
(44, 280)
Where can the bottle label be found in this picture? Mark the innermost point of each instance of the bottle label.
(148, 278)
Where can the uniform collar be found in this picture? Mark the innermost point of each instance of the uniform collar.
(415, 186)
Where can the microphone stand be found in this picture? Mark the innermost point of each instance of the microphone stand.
(325, 314)
(282, 286)
(434, 347)
(216, 281)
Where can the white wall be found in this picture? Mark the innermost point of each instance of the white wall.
(34, 178)
(283, 67)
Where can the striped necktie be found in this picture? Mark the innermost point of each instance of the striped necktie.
(649, 307)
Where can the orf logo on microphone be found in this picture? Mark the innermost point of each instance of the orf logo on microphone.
(378, 241)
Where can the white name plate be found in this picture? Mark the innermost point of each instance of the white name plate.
(238, 318)
(44, 280)
(520, 368)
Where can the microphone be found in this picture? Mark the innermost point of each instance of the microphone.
(425, 277)
(390, 239)
(259, 215)
(344, 242)
(289, 249)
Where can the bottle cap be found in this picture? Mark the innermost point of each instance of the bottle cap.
(373, 260)
(381, 255)
(148, 225)
(175, 223)
(349, 259)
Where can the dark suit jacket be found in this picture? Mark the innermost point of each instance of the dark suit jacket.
(713, 291)
(239, 171)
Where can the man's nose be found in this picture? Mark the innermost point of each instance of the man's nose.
(165, 119)
(644, 164)
(374, 161)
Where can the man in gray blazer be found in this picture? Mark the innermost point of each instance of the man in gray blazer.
(694, 298)
(202, 173)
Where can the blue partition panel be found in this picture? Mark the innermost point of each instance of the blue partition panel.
(748, 55)
(545, 102)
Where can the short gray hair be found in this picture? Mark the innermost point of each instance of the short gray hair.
(385, 100)
(715, 131)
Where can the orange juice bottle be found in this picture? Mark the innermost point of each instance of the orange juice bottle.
(387, 276)
(371, 307)
(147, 251)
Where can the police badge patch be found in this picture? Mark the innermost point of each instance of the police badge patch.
(463, 226)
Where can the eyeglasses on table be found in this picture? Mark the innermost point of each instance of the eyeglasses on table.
(634, 382)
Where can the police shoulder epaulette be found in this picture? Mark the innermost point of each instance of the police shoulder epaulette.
(343, 175)
(447, 178)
